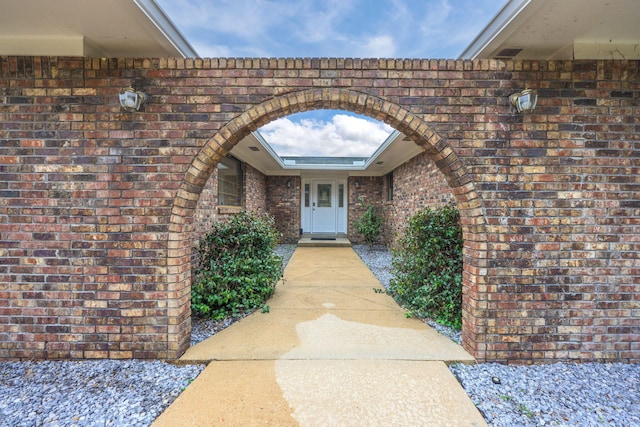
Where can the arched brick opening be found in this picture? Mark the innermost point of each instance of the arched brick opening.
(202, 166)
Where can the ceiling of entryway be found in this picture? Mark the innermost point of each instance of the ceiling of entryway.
(393, 152)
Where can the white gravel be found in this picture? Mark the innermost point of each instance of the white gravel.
(89, 393)
(589, 394)
(133, 392)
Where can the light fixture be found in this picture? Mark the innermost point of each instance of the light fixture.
(357, 184)
(131, 99)
(525, 101)
(288, 183)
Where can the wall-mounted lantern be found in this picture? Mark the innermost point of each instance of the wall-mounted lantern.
(131, 99)
(525, 101)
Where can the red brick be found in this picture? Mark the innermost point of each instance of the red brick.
(549, 201)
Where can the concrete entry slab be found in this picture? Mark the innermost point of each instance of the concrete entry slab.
(374, 393)
(331, 351)
(321, 277)
(321, 267)
(231, 394)
(339, 334)
(331, 298)
(323, 393)
(315, 257)
(330, 337)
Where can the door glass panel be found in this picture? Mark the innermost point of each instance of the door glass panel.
(341, 196)
(306, 195)
(324, 195)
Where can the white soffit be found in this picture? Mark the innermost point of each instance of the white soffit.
(561, 29)
(91, 28)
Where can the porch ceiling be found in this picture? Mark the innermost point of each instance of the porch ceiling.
(561, 29)
(398, 150)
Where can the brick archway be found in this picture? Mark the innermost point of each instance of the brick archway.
(203, 165)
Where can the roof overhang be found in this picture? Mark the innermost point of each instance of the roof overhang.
(394, 151)
(90, 28)
(560, 29)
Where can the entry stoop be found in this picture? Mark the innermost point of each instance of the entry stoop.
(324, 241)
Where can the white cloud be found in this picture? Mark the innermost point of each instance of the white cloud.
(446, 27)
(437, 19)
(241, 27)
(208, 50)
(343, 136)
(316, 22)
(378, 47)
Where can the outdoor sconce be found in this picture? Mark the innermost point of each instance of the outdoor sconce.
(357, 184)
(131, 99)
(525, 101)
(288, 183)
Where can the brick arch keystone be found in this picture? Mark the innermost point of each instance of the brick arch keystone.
(202, 166)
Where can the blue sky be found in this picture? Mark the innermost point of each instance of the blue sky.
(329, 28)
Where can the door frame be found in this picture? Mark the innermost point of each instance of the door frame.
(340, 210)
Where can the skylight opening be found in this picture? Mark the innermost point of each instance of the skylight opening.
(325, 134)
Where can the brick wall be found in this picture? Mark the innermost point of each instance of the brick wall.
(255, 190)
(206, 213)
(98, 206)
(416, 184)
(368, 191)
(283, 203)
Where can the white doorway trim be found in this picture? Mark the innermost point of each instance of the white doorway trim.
(324, 205)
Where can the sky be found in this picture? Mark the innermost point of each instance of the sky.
(329, 28)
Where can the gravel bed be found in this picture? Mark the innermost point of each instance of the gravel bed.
(134, 392)
(285, 251)
(89, 393)
(589, 394)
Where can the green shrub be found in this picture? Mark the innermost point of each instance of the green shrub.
(427, 266)
(369, 225)
(236, 270)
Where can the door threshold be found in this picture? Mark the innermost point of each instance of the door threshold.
(324, 241)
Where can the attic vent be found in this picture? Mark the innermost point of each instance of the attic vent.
(507, 53)
(252, 148)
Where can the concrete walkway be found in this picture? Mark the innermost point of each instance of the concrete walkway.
(331, 352)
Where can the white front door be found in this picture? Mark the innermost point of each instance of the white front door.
(323, 207)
